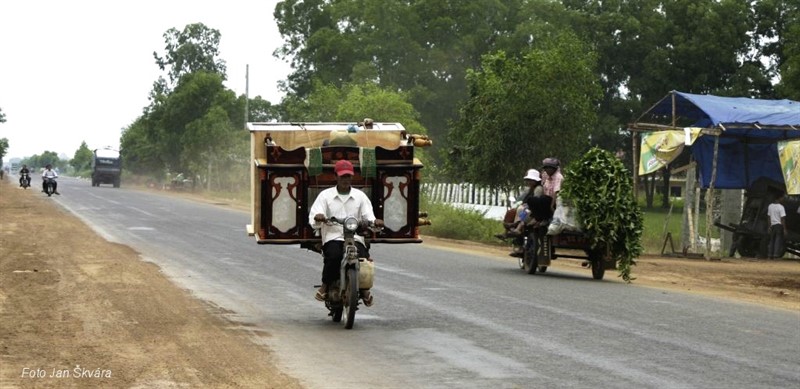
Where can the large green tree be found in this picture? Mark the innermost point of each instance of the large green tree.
(82, 160)
(524, 108)
(193, 49)
(422, 48)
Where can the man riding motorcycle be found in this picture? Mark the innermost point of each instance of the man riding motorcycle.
(24, 174)
(340, 201)
(49, 173)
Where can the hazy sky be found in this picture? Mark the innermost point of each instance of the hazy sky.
(81, 70)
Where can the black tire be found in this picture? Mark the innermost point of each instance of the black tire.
(116, 182)
(351, 302)
(598, 267)
(337, 315)
(530, 254)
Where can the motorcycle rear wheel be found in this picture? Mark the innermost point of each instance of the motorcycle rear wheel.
(351, 302)
(530, 258)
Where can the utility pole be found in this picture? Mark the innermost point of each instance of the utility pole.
(246, 95)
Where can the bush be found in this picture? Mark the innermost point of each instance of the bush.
(450, 222)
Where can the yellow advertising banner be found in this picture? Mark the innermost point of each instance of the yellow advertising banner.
(789, 153)
(659, 148)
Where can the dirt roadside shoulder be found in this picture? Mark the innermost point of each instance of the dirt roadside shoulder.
(78, 311)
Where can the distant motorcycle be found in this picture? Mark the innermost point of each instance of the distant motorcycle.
(49, 186)
(355, 273)
(24, 180)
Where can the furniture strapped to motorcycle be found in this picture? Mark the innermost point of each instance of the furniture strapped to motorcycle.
(293, 162)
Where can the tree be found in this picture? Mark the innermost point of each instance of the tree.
(3, 149)
(422, 48)
(47, 157)
(351, 103)
(2, 116)
(82, 160)
(523, 109)
(139, 148)
(194, 49)
(779, 31)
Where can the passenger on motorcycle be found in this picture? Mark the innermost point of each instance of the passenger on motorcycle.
(551, 178)
(340, 201)
(533, 181)
(533, 210)
(49, 173)
(22, 175)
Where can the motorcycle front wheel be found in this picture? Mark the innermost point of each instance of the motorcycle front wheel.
(351, 302)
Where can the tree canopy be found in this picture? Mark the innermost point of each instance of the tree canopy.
(194, 124)
(644, 49)
(522, 108)
(82, 160)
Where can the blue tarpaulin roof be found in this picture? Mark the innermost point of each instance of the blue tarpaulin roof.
(710, 111)
(750, 128)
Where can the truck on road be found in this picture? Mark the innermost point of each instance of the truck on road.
(106, 167)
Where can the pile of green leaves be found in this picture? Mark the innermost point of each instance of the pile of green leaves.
(600, 188)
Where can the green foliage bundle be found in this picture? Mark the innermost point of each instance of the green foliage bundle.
(599, 187)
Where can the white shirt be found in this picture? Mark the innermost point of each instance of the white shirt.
(775, 212)
(331, 204)
(49, 173)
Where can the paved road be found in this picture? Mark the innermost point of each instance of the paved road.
(449, 320)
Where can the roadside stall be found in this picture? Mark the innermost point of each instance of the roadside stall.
(734, 141)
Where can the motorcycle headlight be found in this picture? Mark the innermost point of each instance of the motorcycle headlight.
(350, 224)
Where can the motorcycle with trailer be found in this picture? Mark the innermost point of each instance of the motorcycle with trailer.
(540, 248)
(561, 237)
(293, 162)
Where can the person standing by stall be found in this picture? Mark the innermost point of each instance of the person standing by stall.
(777, 227)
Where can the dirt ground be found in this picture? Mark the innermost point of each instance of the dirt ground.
(78, 311)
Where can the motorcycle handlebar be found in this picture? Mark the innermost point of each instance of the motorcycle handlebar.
(361, 223)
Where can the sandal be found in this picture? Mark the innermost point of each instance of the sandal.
(321, 296)
(367, 299)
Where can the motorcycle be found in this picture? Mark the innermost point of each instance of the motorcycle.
(24, 180)
(355, 274)
(535, 249)
(49, 185)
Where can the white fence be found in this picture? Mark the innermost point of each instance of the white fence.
(465, 193)
(469, 196)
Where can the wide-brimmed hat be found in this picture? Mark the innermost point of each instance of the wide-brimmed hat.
(533, 174)
(343, 167)
(550, 162)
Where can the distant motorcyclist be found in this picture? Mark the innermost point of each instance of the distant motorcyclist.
(49, 173)
(24, 174)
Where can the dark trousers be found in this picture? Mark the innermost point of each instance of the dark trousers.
(775, 247)
(44, 186)
(333, 251)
